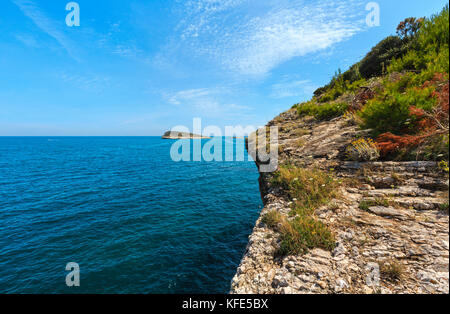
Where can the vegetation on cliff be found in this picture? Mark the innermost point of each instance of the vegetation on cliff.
(399, 94)
(309, 189)
(400, 91)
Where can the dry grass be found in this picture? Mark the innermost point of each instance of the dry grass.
(378, 201)
(391, 270)
(272, 219)
(300, 142)
(309, 189)
(298, 132)
(300, 234)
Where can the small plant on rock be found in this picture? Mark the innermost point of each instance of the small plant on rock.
(391, 270)
(272, 219)
(363, 150)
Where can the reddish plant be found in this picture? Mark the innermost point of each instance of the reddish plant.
(389, 143)
(427, 124)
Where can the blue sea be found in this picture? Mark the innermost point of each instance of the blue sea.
(134, 220)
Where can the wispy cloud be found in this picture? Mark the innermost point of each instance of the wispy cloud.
(27, 40)
(86, 82)
(191, 96)
(47, 25)
(206, 101)
(253, 37)
(126, 51)
(295, 88)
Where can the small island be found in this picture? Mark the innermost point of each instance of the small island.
(175, 135)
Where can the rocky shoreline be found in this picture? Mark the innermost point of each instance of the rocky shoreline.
(408, 231)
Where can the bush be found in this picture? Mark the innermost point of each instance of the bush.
(407, 29)
(380, 56)
(434, 35)
(391, 111)
(429, 50)
(340, 84)
(321, 112)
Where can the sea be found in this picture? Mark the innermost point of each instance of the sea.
(134, 220)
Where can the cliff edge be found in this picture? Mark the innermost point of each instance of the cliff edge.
(388, 219)
(359, 202)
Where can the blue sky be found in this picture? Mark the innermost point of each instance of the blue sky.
(142, 67)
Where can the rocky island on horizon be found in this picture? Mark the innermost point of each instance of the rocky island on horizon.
(175, 135)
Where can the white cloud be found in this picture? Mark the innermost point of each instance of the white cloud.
(191, 96)
(253, 37)
(206, 101)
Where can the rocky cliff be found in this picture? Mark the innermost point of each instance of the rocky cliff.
(389, 220)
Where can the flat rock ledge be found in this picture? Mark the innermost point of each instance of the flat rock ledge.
(412, 231)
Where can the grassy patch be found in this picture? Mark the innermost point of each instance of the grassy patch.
(379, 201)
(309, 189)
(444, 207)
(300, 234)
(272, 219)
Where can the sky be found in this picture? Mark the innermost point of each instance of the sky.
(142, 67)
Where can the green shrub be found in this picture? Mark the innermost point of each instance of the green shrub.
(325, 111)
(352, 74)
(329, 111)
(380, 56)
(430, 49)
(339, 84)
(435, 32)
(391, 111)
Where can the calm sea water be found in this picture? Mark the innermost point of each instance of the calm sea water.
(134, 220)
